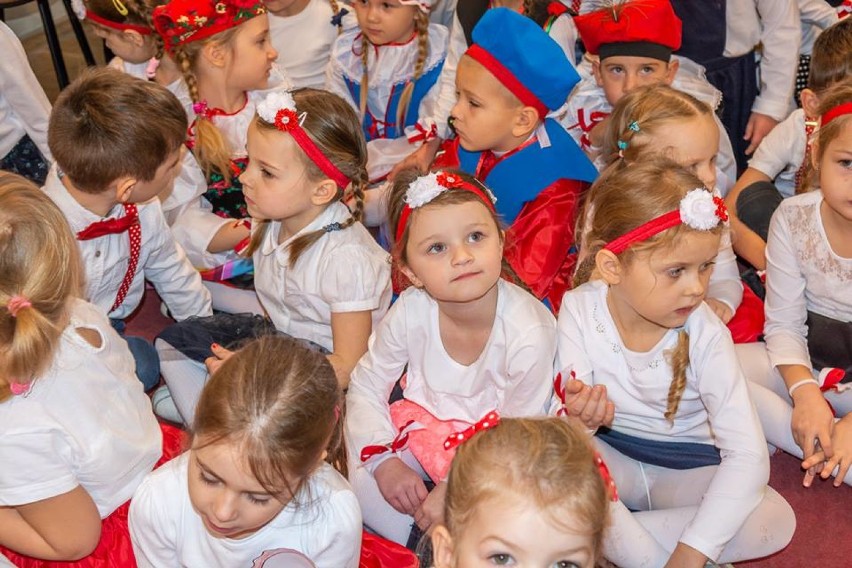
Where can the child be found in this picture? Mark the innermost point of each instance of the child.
(78, 432)
(24, 111)
(223, 51)
(388, 69)
(809, 309)
(525, 492)
(685, 445)
(815, 16)
(254, 483)
(633, 42)
(778, 167)
(304, 31)
(117, 144)
(319, 274)
(659, 120)
(507, 82)
(127, 30)
(472, 343)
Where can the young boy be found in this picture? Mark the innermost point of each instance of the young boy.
(117, 142)
(507, 82)
(633, 44)
(777, 169)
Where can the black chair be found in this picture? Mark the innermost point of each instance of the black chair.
(52, 37)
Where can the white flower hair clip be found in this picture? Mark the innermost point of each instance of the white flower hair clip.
(699, 209)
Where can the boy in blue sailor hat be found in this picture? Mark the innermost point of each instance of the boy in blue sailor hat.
(507, 82)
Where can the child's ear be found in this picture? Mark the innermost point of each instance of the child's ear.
(526, 121)
(596, 71)
(124, 188)
(609, 266)
(133, 37)
(415, 281)
(324, 192)
(215, 53)
(810, 103)
(671, 71)
(442, 547)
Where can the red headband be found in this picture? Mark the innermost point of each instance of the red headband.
(507, 78)
(279, 109)
(91, 16)
(839, 110)
(426, 188)
(698, 209)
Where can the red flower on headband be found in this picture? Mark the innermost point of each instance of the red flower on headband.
(449, 180)
(721, 209)
(286, 119)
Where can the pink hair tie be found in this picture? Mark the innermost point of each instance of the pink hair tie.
(16, 304)
(19, 388)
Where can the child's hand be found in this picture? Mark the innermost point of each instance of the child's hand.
(812, 423)
(721, 309)
(431, 512)
(589, 404)
(841, 440)
(220, 355)
(400, 486)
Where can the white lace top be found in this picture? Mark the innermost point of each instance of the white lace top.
(802, 274)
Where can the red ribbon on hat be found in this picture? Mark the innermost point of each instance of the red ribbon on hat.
(609, 482)
(397, 444)
(507, 78)
(490, 420)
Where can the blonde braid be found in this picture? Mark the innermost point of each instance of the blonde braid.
(365, 81)
(679, 359)
(421, 25)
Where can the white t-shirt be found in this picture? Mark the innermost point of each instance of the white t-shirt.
(715, 408)
(513, 375)
(84, 422)
(24, 108)
(304, 41)
(161, 260)
(167, 532)
(802, 274)
(343, 271)
(782, 151)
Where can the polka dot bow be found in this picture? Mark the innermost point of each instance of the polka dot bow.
(491, 420)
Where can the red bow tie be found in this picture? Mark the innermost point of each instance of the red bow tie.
(111, 226)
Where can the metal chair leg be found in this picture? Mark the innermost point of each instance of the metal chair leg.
(53, 43)
(79, 33)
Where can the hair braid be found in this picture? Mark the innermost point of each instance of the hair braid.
(365, 76)
(679, 359)
(421, 26)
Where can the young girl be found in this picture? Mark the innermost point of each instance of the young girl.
(78, 431)
(255, 484)
(388, 69)
(319, 274)
(660, 120)
(809, 309)
(304, 31)
(685, 445)
(472, 344)
(223, 51)
(127, 29)
(525, 492)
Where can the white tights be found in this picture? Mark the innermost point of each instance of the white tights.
(667, 501)
(184, 377)
(773, 404)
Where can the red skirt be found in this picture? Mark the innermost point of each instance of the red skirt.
(114, 549)
(747, 324)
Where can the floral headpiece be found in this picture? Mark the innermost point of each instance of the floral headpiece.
(279, 109)
(836, 112)
(184, 21)
(426, 188)
(699, 209)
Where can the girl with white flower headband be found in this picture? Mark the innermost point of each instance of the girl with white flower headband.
(319, 275)
(656, 377)
(469, 342)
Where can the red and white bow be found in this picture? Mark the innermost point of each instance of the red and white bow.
(490, 420)
(397, 444)
(559, 389)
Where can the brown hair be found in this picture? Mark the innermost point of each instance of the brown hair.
(647, 109)
(280, 403)
(831, 58)
(210, 148)
(834, 96)
(548, 461)
(139, 13)
(421, 28)
(40, 262)
(331, 123)
(625, 197)
(107, 124)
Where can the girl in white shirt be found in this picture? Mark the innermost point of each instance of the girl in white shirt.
(527, 492)
(255, 483)
(808, 346)
(472, 343)
(684, 444)
(320, 276)
(78, 431)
